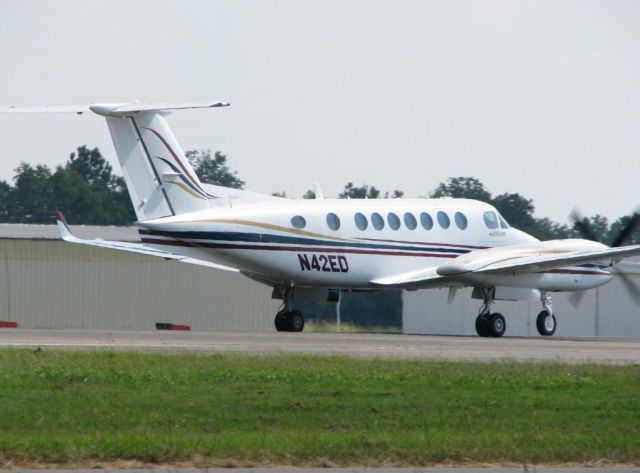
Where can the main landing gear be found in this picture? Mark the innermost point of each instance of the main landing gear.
(489, 324)
(493, 324)
(546, 321)
(288, 320)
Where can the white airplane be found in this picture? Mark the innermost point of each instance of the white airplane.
(310, 248)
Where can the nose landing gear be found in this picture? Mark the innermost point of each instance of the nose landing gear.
(489, 324)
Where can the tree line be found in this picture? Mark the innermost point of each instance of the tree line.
(89, 193)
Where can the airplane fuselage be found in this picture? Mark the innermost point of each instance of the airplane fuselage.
(337, 243)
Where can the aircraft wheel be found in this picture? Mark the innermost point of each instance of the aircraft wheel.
(296, 321)
(546, 323)
(482, 325)
(281, 321)
(497, 325)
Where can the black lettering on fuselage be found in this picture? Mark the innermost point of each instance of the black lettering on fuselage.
(304, 262)
(324, 263)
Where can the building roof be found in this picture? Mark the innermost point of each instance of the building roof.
(50, 232)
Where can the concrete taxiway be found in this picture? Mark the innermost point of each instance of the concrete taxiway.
(609, 351)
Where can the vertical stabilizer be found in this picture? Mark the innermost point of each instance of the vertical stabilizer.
(160, 180)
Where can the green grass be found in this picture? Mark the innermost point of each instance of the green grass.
(332, 327)
(71, 407)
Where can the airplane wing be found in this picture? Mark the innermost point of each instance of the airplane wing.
(503, 261)
(427, 277)
(139, 248)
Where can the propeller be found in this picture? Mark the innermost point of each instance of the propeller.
(584, 228)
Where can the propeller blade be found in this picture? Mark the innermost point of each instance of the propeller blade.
(631, 287)
(626, 230)
(583, 226)
(575, 298)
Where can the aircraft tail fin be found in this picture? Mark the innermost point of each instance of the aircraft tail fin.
(159, 178)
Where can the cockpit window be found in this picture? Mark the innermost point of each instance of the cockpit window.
(490, 220)
(503, 222)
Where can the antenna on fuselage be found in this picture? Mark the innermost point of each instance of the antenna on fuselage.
(318, 191)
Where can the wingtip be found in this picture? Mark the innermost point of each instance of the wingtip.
(63, 226)
(61, 218)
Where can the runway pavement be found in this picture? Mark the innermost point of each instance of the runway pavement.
(487, 469)
(609, 351)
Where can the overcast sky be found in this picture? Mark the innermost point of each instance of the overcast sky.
(539, 97)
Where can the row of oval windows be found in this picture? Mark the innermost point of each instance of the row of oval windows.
(491, 220)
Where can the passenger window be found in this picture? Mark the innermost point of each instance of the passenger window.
(394, 221)
(443, 219)
(490, 220)
(333, 221)
(461, 220)
(410, 221)
(503, 222)
(361, 221)
(426, 221)
(377, 221)
(298, 221)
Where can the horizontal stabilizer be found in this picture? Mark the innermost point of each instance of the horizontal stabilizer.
(139, 248)
(114, 109)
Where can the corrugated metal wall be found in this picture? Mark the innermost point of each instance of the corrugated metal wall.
(53, 284)
(608, 311)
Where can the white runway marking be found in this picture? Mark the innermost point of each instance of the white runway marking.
(609, 351)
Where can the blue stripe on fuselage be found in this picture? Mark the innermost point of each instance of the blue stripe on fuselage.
(271, 238)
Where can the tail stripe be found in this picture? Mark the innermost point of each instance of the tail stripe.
(155, 172)
(182, 177)
(194, 180)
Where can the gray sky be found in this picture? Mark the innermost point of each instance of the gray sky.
(539, 97)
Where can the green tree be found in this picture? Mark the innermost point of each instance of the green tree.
(616, 228)
(86, 189)
(396, 194)
(462, 188)
(309, 195)
(213, 170)
(31, 199)
(516, 209)
(363, 192)
(544, 229)
(598, 224)
(5, 201)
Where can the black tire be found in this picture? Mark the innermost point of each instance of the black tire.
(482, 325)
(281, 321)
(296, 321)
(546, 325)
(497, 325)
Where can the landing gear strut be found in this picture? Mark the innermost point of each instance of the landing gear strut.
(546, 321)
(488, 324)
(288, 320)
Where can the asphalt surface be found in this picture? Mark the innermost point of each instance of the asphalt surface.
(523, 469)
(608, 351)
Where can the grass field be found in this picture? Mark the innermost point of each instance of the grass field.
(332, 327)
(101, 407)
